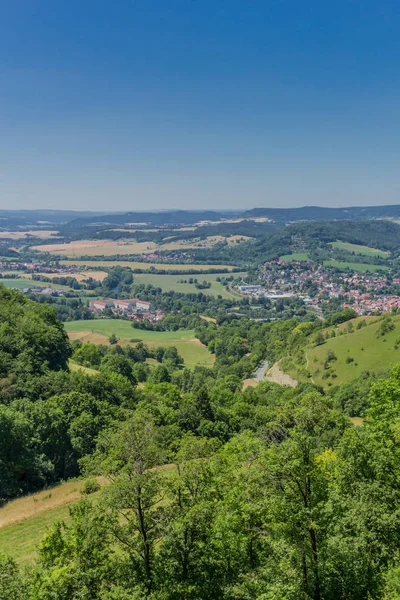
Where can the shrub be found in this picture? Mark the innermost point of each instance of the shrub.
(90, 486)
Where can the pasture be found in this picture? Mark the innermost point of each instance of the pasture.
(358, 249)
(360, 267)
(146, 266)
(24, 521)
(22, 282)
(355, 352)
(98, 331)
(180, 283)
(296, 256)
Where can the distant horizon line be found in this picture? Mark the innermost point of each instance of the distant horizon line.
(194, 210)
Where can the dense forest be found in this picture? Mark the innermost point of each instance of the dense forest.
(212, 491)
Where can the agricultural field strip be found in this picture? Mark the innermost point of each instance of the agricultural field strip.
(129, 246)
(146, 266)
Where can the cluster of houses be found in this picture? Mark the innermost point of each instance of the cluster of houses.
(133, 308)
(366, 292)
(44, 291)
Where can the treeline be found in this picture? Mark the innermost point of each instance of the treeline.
(267, 493)
(308, 237)
(214, 492)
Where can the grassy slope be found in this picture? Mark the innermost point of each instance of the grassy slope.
(358, 249)
(23, 522)
(370, 353)
(73, 366)
(21, 283)
(295, 256)
(193, 352)
(354, 266)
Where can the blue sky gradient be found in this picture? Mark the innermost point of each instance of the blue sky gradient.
(159, 104)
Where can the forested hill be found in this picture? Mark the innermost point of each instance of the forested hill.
(305, 237)
(319, 213)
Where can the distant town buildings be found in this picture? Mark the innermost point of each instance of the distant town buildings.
(133, 308)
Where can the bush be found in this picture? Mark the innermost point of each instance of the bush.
(90, 486)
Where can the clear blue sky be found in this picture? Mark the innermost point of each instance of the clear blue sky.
(130, 105)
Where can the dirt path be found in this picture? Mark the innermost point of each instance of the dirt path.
(308, 369)
(277, 376)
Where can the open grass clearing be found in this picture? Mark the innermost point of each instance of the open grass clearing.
(356, 352)
(145, 266)
(22, 282)
(74, 366)
(24, 521)
(98, 331)
(359, 249)
(296, 256)
(180, 283)
(360, 267)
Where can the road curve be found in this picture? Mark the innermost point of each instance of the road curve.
(260, 373)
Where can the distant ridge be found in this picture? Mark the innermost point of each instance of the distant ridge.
(320, 213)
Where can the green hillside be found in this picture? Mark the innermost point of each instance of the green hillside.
(338, 264)
(359, 249)
(354, 352)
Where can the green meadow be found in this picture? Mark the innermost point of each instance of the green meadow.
(21, 283)
(358, 249)
(360, 267)
(99, 330)
(180, 283)
(300, 256)
(356, 352)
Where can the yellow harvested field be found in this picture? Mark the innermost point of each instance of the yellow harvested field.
(20, 235)
(249, 383)
(146, 266)
(113, 247)
(98, 248)
(89, 336)
(208, 242)
(78, 275)
(208, 319)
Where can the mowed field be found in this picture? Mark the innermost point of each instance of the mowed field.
(358, 249)
(177, 283)
(23, 522)
(21, 283)
(129, 246)
(99, 330)
(146, 266)
(78, 275)
(300, 256)
(368, 351)
(361, 267)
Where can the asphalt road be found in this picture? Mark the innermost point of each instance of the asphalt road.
(260, 373)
